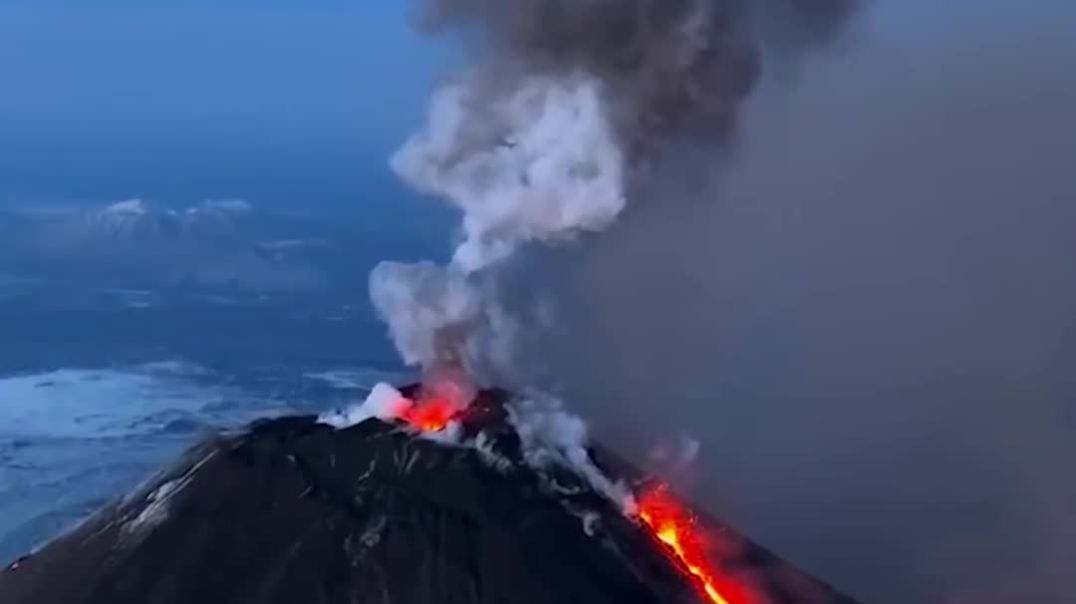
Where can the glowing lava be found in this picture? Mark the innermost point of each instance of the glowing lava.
(672, 523)
(430, 415)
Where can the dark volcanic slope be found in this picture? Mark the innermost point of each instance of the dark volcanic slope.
(296, 512)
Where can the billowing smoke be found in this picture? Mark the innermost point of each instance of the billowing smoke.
(550, 131)
(850, 278)
(567, 110)
(663, 68)
(866, 315)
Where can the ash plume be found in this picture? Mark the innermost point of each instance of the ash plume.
(866, 316)
(667, 68)
(551, 130)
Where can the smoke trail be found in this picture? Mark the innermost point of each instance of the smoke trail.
(867, 318)
(869, 311)
(549, 132)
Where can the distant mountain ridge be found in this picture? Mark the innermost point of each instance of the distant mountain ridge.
(224, 244)
(140, 219)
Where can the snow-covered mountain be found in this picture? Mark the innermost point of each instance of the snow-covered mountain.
(218, 244)
(139, 220)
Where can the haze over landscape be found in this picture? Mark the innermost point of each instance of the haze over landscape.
(861, 307)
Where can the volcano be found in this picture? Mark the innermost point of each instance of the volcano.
(293, 510)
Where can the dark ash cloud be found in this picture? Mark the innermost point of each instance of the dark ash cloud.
(865, 314)
(672, 69)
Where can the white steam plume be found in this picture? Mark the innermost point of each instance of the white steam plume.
(539, 163)
(542, 140)
(551, 436)
(545, 134)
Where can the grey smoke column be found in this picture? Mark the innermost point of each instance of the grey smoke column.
(669, 68)
(868, 320)
(552, 128)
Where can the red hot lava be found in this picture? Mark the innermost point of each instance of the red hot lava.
(665, 517)
(430, 415)
(444, 394)
(676, 526)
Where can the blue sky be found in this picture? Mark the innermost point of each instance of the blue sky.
(249, 98)
(272, 69)
(272, 100)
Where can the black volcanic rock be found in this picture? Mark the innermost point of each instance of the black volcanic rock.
(293, 511)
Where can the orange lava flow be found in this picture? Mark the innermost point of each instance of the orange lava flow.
(430, 415)
(672, 523)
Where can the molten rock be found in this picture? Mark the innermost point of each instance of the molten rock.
(295, 510)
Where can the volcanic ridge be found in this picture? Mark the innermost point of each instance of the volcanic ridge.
(400, 511)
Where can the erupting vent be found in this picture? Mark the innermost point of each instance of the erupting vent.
(430, 415)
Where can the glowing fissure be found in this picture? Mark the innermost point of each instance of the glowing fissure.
(673, 524)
